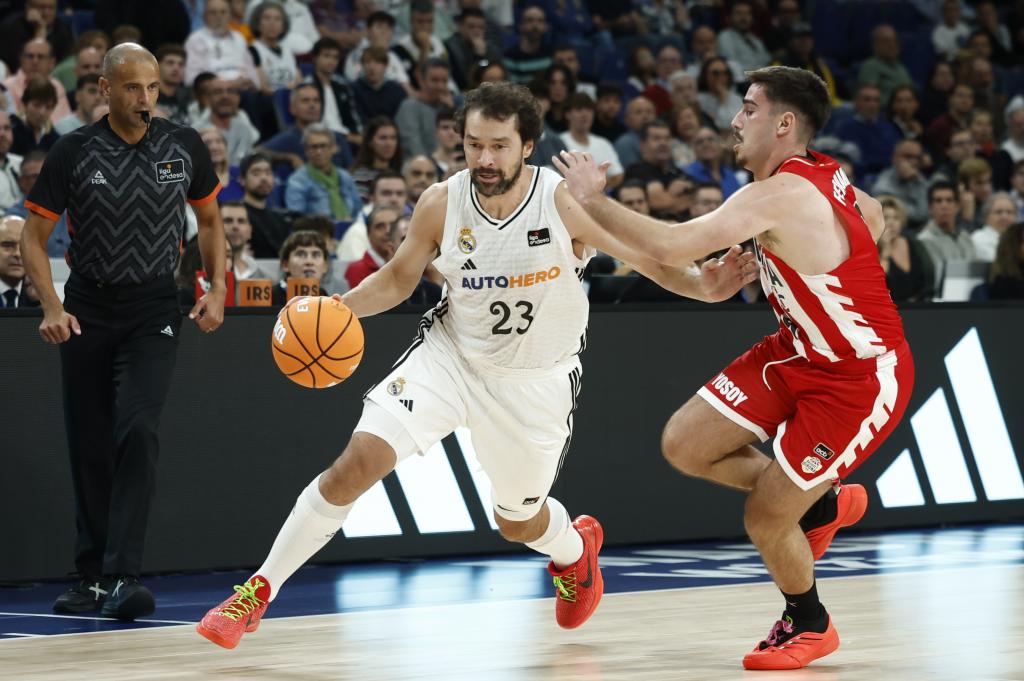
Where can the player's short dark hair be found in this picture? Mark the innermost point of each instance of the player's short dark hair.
(502, 101)
(170, 50)
(251, 160)
(87, 79)
(326, 43)
(305, 237)
(805, 91)
(39, 89)
(386, 174)
(942, 184)
(380, 17)
(650, 125)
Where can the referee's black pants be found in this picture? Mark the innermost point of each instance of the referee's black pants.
(115, 378)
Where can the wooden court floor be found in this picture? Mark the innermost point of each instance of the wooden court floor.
(964, 624)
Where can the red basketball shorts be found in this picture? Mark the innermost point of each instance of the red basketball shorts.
(826, 420)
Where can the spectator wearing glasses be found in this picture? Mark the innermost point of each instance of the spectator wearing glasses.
(36, 62)
(319, 187)
(716, 94)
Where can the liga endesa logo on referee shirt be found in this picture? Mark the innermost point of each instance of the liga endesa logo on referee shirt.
(170, 171)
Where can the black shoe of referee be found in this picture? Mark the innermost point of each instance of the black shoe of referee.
(128, 599)
(87, 596)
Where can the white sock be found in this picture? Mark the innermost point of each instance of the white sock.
(311, 524)
(561, 541)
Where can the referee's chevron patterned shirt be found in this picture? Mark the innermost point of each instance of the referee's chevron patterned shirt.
(125, 203)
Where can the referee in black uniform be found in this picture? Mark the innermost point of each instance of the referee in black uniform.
(123, 181)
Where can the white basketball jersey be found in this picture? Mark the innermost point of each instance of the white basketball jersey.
(513, 292)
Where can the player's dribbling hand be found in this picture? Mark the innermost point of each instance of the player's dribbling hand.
(57, 327)
(208, 312)
(721, 278)
(584, 178)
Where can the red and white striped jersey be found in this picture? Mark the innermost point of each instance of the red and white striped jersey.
(845, 314)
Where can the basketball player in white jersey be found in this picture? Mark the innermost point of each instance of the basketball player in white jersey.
(498, 354)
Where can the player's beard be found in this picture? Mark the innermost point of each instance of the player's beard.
(499, 187)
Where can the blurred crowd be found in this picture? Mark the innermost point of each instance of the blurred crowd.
(327, 119)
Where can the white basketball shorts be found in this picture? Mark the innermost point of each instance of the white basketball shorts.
(521, 422)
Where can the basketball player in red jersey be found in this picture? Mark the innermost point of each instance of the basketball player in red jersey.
(829, 385)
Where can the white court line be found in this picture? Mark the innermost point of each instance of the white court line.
(84, 617)
(444, 606)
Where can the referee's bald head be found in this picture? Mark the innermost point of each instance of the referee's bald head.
(126, 53)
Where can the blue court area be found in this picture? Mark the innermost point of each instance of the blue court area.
(182, 599)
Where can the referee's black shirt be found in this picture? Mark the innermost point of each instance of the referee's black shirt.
(125, 202)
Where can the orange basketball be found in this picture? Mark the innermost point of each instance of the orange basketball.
(317, 342)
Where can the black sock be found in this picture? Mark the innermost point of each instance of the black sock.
(822, 512)
(806, 610)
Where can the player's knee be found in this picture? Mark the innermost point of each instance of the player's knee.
(366, 460)
(761, 516)
(677, 446)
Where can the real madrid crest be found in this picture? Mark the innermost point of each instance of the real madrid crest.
(396, 386)
(467, 242)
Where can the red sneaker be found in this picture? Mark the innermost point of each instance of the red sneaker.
(789, 648)
(851, 504)
(241, 613)
(579, 587)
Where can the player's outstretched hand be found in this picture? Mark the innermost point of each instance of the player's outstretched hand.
(721, 278)
(584, 178)
(208, 312)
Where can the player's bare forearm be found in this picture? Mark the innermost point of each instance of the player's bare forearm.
(681, 281)
(36, 261)
(642, 233)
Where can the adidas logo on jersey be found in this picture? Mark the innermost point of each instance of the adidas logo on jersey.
(98, 178)
(407, 404)
(512, 281)
(469, 265)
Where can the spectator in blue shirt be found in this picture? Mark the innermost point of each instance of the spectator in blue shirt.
(319, 187)
(707, 147)
(286, 146)
(874, 135)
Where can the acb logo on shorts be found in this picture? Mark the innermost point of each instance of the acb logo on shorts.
(823, 451)
(396, 387)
